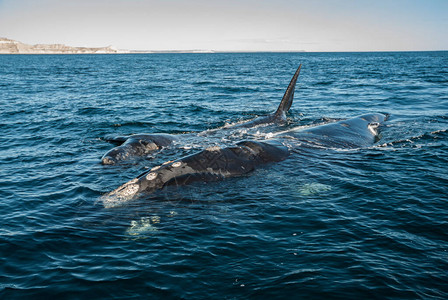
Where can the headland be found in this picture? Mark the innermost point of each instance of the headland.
(8, 46)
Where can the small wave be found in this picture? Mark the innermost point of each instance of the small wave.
(205, 82)
(93, 110)
(235, 89)
(429, 136)
(137, 124)
(324, 83)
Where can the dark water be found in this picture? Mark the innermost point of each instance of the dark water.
(322, 224)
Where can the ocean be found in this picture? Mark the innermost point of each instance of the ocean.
(322, 224)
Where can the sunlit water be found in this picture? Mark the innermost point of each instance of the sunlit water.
(324, 223)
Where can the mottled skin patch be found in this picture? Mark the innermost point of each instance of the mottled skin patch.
(177, 164)
(151, 176)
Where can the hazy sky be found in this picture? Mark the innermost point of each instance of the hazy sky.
(230, 25)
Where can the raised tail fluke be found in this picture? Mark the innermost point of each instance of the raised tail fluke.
(286, 103)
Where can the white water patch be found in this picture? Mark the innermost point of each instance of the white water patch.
(193, 145)
(411, 141)
(294, 129)
(138, 229)
(260, 135)
(373, 128)
(313, 188)
(172, 214)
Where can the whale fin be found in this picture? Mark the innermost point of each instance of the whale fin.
(116, 140)
(286, 102)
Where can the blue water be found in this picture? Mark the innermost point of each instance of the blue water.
(324, 223)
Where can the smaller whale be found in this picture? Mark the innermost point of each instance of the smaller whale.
(140, 145)
(137, 145)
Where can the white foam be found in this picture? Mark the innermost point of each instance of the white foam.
(143, 226)
(313, 188)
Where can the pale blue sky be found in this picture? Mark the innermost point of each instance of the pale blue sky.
(231, 25)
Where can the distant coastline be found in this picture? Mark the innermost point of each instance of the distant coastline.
(8, 46)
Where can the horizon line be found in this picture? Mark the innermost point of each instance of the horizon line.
(198, 51)
(227, 51)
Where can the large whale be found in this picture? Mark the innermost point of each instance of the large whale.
(218, 163)
(140, 145)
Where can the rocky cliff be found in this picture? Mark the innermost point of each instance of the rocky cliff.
(8, 46)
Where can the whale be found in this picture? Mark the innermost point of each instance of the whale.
(358, 132)
(218, 163)
(141, 145)
(137, 145)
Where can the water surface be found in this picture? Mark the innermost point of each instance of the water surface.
(322, 224)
